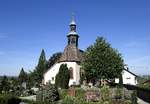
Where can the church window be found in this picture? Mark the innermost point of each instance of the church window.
(71, 72)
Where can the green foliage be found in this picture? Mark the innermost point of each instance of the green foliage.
(127, 102)
(22, 76)
(48, 94)
(119, 93)
(37, 74)
(134, 97)
(62, 78)
(9, 99)
(80, 93)
(102, 61)
(5, 84)
(63, 93)
(73, 100)
(53, 59)
(144, 81)
(105, 93)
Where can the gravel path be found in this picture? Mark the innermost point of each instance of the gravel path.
(140, 101)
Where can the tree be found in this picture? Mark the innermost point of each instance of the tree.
(5, 85)
(62, 78)
(101, 61)
(23, 77)
(53, 59)
(40, 69)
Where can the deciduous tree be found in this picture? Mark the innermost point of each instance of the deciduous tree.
(101, 61)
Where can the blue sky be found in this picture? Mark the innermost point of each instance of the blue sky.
(27, 26)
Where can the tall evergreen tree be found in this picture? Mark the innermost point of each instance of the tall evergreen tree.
(23, 77)
(102, 61)
(41, 68)
(62, 78)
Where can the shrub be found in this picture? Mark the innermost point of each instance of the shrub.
(48, 94)
(105, 93)
(119, 93)
(9, 99)
(73, 100)
(68, 100)
(63, 93)
(80, 93)
(127, 102)
(134, 97)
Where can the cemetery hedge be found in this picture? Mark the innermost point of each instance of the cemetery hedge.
(9, 99)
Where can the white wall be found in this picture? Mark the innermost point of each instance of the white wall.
(51, 73)
(127, 78)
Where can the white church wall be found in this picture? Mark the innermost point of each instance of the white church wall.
(52, 72)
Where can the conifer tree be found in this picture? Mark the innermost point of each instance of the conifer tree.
(22, 76)
(62, 78)
(41, 68)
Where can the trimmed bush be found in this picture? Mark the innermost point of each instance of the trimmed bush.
(62, 78)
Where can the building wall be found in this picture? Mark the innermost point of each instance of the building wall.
(127, 78)
(51, 73)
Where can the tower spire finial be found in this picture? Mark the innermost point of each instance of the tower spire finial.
(72, 16)
(72, 19)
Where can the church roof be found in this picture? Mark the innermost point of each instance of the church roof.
(71, 53)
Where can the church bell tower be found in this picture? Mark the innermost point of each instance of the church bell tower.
(73, 36)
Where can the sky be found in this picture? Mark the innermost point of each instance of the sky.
(28, 26)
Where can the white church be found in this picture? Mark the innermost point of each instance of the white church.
(73, 56)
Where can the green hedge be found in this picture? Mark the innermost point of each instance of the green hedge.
(9, 99)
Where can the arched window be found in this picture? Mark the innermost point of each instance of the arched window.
(71, 72)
